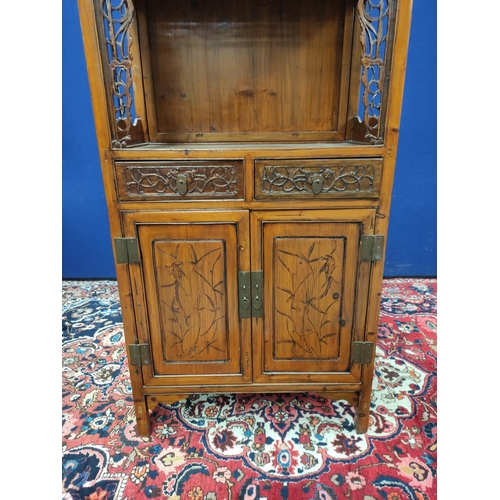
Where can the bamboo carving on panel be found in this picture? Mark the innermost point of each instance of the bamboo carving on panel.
(308, 274)
(192, 295)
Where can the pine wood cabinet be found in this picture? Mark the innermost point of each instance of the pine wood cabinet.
(248, 152)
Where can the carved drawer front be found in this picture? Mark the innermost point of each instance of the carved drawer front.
(180, 180)
(326, 178)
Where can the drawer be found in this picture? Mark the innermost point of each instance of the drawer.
(325, 178)
(180, 180)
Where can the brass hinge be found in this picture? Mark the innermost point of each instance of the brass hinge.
(250, 294)
(362, 352)
(372, 246)
(127, 250)
(139, 354)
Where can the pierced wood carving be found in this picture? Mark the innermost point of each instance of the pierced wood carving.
(192, 298)
(374, 17)
(163, 181)
(308, 274)
(118, 16)
(349, 179)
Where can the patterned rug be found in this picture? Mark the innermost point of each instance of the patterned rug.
(249, 447)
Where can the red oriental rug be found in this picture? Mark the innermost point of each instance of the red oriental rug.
(249, 447)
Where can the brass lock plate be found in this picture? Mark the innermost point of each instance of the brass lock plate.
(244, 295)
(181, 184)
(257, 300)
(317, 183)
(250, 300)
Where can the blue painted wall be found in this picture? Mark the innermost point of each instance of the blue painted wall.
(411, 247)
(86, 242)
(411, 244)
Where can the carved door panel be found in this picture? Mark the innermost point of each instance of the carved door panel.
(315, 289)
(186, 287)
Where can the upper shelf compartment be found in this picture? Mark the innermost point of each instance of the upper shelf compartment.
(204, 71)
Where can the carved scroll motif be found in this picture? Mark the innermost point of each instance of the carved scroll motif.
(374, 17)
(352, 179)
(215, 181)
(118, 17)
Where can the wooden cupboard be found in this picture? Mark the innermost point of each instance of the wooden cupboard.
(248, 152)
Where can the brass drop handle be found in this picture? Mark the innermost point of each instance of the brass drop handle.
(244, 301)
(181, 184)
(257, 301)
(317, 183)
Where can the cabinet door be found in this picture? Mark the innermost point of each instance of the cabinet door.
(186, 290)
(315, 291)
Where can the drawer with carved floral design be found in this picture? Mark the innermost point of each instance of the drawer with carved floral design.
(325, 178)
(180, 180)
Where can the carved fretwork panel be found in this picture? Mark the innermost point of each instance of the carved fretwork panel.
(116, 23)
(375, 18)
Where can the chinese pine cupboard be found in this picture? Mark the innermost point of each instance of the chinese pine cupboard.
(248, 151)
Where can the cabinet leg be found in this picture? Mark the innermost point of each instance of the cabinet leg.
(153, 401)
(362, 416)
(142, 418)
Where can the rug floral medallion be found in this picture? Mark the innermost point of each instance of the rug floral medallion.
(249, 446)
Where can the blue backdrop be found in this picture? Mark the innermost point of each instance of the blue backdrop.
(411, 245)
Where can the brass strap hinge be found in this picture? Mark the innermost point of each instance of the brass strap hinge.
(139, 354)
(372, 246)
(127, 250)
(250, 294)
(362, 352)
